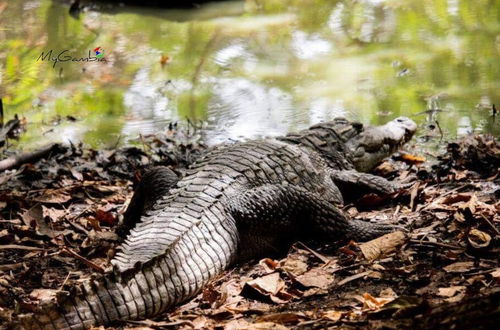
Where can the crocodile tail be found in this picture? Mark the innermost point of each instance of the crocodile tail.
(143, 292)
(364, 231)
(102, 301)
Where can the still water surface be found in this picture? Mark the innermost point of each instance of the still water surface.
(249, 68)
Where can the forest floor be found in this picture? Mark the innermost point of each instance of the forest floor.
(58, 218)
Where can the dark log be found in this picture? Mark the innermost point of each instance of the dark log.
(31, 157)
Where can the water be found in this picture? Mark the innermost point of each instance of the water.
(248, 69)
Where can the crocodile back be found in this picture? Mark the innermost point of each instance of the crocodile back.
(195, 212)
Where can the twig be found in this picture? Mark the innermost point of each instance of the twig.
(419, 242)
(65, 280)
(20, 247)
(77, 226)
(84, 260)
(11, 266)
(490, 224)
(352, 278)
(440, 130)
(316, 254)
(159, 325)
(30, 157)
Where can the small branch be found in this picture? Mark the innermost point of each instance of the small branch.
(352, 278)
(30, 157)
(65, 280)
(490, 224)
(449, 246)
(20, 247)
(314, 253)
(84, 260)
(8, 267)
(161, 325)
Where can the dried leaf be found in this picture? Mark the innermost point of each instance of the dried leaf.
(269, 284)
(44, 294)
(382, 245)
(450, 291)
(34, 218)
(411, 159)
(479, 239)
(210, 294)
(53, 213)
(53, 196)
(269, 265)
(295, 264)
(372, 303)
(283, 318)
(332, 315)
(459, 267)
(496, 274)
(105, 217)
(77, 175)
(455, 198)
(316, 277)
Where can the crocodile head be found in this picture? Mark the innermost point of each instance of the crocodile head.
(374, 143)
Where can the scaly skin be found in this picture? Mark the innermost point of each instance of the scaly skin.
(238, 201)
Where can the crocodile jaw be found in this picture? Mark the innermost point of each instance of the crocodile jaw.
(376, 143)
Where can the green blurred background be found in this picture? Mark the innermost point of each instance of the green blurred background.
(250, 68)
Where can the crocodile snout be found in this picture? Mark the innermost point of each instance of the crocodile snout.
(409, 126)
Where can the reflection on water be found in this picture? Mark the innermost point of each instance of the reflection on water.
(241, 108)
(250, 68)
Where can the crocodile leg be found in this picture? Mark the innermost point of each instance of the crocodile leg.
(360, 180)
(270, 214)
(155, 183)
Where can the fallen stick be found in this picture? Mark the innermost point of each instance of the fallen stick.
(30, 157)
(20, 247)
(84, 260)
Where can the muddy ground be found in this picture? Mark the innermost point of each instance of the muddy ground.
(58, 218)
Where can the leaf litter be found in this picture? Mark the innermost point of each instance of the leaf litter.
(58, 218)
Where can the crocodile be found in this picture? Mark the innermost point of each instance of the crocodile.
(237, 201)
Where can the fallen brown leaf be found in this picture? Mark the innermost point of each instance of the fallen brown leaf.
(54, 196)
(283, 318)
(374, 303)
(459, 267)
(105, 217)
(316, 277)
(332, 315)
(295, 264)
(44, 294)
(269, 265)
(271, 283)
(411, 159)
(478, 239)
(382, 245)
(450, 291)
